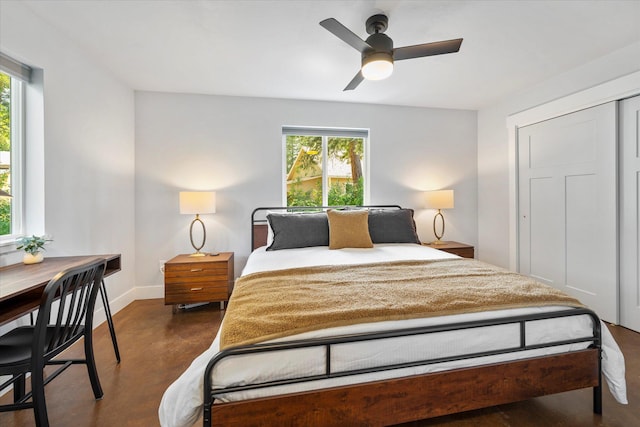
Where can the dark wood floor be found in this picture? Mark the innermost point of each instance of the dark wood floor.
(157, 346)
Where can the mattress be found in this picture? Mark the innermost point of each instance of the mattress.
(182, 402)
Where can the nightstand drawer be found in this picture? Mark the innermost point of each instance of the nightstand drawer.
(194, 291)
(191, 272)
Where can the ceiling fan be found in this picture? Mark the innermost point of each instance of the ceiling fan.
(377, 51)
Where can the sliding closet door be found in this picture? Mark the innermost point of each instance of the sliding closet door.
(567, 206)
(630, 213)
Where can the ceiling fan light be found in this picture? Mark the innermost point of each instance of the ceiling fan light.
(378, 66)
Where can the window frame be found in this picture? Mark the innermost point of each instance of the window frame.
(17, 129)
(326, 133)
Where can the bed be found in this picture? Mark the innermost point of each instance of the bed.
(382, 372)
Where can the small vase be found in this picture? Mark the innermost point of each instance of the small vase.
(32, 259)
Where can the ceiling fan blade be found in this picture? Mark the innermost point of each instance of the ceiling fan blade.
(354, 82)
(345, 34)
(427, 49)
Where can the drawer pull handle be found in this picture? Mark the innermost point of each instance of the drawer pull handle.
(193, 270)
(196, 289)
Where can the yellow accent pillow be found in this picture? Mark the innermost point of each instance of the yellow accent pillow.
(349, 229)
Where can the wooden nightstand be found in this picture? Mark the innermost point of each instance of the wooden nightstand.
(189, 280)
(460, 249)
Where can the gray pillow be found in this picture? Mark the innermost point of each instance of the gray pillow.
(392, 226)
(298, 230)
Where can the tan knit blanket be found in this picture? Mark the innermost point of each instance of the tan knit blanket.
(276, 304)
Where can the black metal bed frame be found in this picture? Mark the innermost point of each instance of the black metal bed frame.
(329, 342)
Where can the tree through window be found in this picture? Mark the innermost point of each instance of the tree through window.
(5, 153)
(325, 167)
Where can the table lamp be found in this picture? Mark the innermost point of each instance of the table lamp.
(439, 199)
(197, 202)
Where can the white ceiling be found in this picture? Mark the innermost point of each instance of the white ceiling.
(277, 49)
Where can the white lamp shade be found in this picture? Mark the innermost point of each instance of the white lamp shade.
(197, 202)
(440, 199)
(378, 66)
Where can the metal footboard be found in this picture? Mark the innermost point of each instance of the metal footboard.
(328, 343)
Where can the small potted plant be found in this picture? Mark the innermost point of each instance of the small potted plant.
(33, 247)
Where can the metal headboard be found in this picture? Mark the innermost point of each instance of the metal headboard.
(259, 216)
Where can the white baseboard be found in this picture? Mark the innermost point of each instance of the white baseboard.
(149, 292)
(117, 304)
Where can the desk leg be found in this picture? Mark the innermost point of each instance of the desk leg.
(107, 310)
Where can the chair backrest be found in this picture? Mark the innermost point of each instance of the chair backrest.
(76, 290)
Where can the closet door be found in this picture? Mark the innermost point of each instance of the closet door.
(567, 206)
(630, 213)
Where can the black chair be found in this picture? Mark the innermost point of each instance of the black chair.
(31, 348)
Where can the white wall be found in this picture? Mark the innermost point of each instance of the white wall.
(493, 154)
(84, 140)
(233, 145)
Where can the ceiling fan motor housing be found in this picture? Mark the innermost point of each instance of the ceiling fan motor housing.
(381, 44)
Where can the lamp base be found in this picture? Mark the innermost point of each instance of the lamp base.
(199, 254)
(435, 230)
(437, 242)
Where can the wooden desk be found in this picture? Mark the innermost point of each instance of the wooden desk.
(21, 286)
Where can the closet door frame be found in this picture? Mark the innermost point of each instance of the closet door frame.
(629, 166)
(613, 90)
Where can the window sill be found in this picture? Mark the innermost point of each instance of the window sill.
(8, 245)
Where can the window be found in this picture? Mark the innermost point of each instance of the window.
(12, 77)
(325, 166)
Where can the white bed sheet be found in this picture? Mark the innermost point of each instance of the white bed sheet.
(182, 402)
(263, 260)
